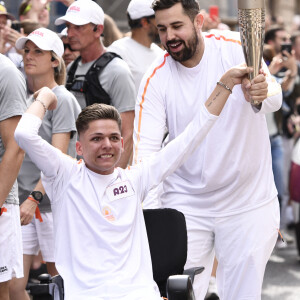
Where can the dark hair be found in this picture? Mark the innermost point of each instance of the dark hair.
(190, 7)
(95, 112)
(137, 22)
(22, 7)
(133, 23)
(271, 33)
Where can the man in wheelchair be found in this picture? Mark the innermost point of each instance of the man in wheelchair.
(101, 246)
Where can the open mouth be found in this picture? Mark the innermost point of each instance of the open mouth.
(175, 46)
(104, 156)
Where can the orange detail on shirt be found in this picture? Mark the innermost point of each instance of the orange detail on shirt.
(141, 105)
(2, 210)
(223, 38)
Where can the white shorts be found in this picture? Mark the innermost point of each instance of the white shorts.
(39, 236)
(11, 258)
(243, 244)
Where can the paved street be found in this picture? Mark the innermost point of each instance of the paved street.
(282, 278)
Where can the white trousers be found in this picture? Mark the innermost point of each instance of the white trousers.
(39, 236)
(11, 252)
(242, 244)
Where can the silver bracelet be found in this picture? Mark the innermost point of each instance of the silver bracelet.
(45, 108)
(225, 86)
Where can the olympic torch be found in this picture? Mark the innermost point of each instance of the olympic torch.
(252, 30)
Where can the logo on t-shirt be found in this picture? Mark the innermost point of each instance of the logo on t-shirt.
(3, 269)
(107, 213)
(120, 190)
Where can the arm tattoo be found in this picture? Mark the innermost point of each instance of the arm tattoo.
(210, 103)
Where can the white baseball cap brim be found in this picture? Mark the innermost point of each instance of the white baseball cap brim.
(43, 38)
(71, 19)
(138, 9)
(82, 12)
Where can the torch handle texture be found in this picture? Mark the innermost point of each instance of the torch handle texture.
(251, 15)
(251, 4)
(252, 30)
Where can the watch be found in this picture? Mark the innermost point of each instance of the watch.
(38, 196)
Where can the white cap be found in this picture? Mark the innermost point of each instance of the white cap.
(43, 38)
(138, 9)
(63, 33)
(82, 12)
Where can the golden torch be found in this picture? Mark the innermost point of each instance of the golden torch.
(252, 30)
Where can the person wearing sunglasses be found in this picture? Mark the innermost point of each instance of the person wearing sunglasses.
(69, 53)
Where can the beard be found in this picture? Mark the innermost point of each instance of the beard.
(189, 48)
(154, 36)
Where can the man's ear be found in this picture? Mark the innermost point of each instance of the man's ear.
(98, 29)
(144, 22)
(79, 148)
(199, 20)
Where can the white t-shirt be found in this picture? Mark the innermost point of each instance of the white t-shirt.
(231, 171)
(138, 57)
(101, 246)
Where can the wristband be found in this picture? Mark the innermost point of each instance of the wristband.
(45, 108)
(37, 210)
(225, 86)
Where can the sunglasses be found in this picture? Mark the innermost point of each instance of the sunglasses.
(68, 46)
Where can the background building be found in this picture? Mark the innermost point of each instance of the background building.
(283, 9)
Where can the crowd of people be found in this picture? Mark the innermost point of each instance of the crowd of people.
(165, 114)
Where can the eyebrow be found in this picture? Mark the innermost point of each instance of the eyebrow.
(102, 134)
(173, 23)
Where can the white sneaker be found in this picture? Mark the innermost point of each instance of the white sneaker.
(280, 244)
(289, 239)
(212, 292)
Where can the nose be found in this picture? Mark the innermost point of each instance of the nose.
(67, 51)
(170, 34)
(27, 55)
(106, 144)
(70, 32)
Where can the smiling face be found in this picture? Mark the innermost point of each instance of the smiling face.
(101, 146)
(179, 35)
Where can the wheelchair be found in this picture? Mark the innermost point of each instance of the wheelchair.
(167, 236)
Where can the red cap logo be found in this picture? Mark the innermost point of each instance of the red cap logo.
(74, 8)
(36, 32)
